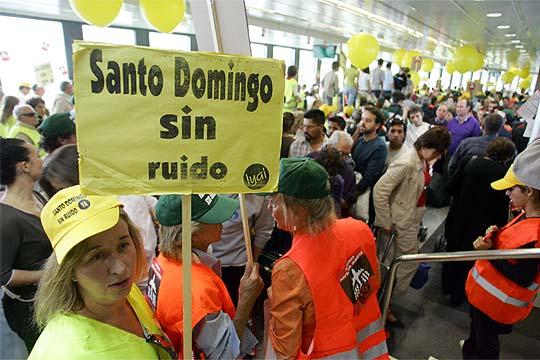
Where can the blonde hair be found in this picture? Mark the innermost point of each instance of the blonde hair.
(170, 238)
(319, 213)
(58, 293)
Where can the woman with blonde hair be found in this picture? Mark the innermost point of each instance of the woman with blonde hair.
(87, 303)
(219, 329)
(324, 290)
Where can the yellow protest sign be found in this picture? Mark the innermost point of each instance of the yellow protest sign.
(155, 121)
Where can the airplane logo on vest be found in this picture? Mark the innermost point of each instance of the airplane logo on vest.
(359, 278)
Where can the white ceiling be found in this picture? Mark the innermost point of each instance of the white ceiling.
(433, 26)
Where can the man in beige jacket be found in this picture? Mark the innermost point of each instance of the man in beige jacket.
(396, 199)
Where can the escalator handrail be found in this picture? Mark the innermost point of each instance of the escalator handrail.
(447, 257)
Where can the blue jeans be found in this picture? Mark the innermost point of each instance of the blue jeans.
(350, 93)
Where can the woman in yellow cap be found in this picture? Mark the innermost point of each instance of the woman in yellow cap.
(87, 303)
(502, 292)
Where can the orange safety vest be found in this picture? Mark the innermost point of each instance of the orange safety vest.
(164, 295)
(493, 293)
(342, 271)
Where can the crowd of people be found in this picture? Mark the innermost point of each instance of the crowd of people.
(85, 275)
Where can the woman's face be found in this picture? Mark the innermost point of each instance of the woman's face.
(35, 163)
(40, 109)
(105, 274)
(429, 154)
(518, 196)
(277, 206)
(207, 235)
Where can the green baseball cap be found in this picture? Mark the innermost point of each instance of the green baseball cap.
(57, 124)
(205, 208)
(303, 178)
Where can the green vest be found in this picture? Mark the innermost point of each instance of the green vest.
(72, 336)
(290, 98)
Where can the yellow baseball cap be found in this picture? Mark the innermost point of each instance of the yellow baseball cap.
(71, 217)
(509, 180)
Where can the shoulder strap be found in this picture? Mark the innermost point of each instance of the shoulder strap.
(40, 197)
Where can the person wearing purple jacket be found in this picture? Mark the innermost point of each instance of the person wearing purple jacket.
(464, 125)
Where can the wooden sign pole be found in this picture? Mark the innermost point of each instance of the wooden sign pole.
(245, 225)
(186, 273)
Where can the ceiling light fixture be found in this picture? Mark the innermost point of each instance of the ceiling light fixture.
(519, 46)
(510, 35)
(494, 15)
(503, 27)
(515, 41)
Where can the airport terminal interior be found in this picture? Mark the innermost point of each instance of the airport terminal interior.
(399, 219)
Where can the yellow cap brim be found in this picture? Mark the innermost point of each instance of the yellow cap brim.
(91, 226)
(502, 184)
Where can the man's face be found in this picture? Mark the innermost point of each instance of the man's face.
(332, 126)
(312, 131)
(344, 148)
(40, 91)
(417, 118)
(28, 116)
(462, 109)
(367, 123)
(442, 110)
(506, 103)
(25, 90)
(69, 89)
(396, 136)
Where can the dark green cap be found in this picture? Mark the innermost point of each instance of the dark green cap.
(205, 208)
(57, 124)
(303, 178)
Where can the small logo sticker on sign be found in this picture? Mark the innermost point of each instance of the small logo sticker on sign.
(256, 176)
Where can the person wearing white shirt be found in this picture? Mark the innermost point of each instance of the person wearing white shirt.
(62, 102)
(330, 84)
(377, 79)
(363, 83)
(416, 127)
(388, 83)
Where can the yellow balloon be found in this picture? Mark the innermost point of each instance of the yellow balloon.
(97, 12)
(398, 56)
(523, 73)
(164, 15)
(525, 84)
(465, 58)
(427, 65)
(466, 51)
(513, 57)
(479, 62)
(450, 67)
(348, 110)
(363, 49)
(507, 77)
(415, 78)
(407, 59)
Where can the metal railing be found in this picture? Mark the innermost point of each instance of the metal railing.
(447, 257)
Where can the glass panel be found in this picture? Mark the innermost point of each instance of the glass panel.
(170, 41)
(35, 42)
(285, 54)
(456, 80)
(108, 35)
(307, 72)
(434, 75)
(258, 50)
(445, 79)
